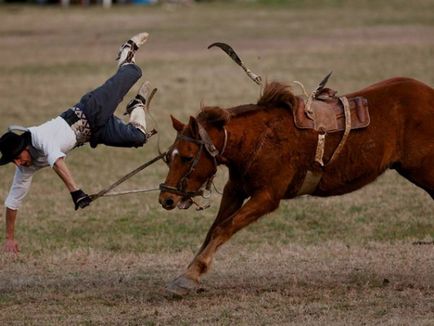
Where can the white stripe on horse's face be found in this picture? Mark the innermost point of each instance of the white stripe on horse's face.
(174, 153)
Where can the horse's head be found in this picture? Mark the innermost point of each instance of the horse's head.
(192, 161)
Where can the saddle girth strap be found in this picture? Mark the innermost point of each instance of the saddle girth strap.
(310, 183)
(313, 178)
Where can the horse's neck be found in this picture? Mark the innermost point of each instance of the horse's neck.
(234, 143)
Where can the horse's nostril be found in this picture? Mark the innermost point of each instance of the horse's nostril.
(169, 202)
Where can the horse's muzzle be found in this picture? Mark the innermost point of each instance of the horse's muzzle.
(170, 197)
(168, 200)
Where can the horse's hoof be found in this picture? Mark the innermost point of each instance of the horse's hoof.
(181, 286)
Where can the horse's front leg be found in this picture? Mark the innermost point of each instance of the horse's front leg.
(260, 203)
(232, 200)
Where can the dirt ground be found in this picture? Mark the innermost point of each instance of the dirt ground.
(326, 284)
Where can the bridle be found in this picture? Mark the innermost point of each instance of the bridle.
(206, 143)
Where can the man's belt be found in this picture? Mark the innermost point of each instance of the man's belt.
(78, 122)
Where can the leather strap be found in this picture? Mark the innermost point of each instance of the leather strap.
(313, 178)
(347, 113)
(319, 154)
(209, 146)
(310, 183)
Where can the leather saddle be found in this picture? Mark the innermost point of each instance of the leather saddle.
(325, 112)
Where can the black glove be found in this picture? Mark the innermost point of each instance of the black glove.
(80, 199)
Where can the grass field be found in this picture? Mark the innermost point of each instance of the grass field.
(347, 260)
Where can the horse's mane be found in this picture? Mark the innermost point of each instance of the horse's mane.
(214, 115)
(275, 94)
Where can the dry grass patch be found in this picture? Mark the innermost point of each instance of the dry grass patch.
(292, 284)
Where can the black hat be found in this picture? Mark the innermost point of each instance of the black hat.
(11, 145)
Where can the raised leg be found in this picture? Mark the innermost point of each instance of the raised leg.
(100, 104)
(132, 134)
(117, 133)
(128, 49)
(261, 203)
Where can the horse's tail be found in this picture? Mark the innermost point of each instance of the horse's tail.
(277, 94)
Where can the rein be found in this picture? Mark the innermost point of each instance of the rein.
(105, 192)
(206, 143)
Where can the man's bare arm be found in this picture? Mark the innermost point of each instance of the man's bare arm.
(64, 173)
(10, 244)
(80, 199)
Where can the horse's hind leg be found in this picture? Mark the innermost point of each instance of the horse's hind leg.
(421, 175)
(258, 205)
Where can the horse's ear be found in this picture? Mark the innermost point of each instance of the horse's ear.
(178, 125)
(194, 126)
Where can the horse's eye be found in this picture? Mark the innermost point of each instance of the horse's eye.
(186, 159)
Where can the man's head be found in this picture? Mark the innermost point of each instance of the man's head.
(14, 148)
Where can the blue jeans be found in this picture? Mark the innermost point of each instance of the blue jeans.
(100, 104)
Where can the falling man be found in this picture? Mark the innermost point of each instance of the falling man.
(91, 120)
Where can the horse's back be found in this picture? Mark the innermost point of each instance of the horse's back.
(407, 90)
(400, 102)
(396, 81)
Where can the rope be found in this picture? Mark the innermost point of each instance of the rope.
(151, 96)
(296, 82)
(104, 191)
(126, 192)
(200, 207)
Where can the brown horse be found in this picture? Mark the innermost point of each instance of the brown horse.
(268, 157)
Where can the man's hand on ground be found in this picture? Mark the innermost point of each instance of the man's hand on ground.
(11, 246)
(80, 199)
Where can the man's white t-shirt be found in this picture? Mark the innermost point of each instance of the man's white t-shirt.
(50, 141)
